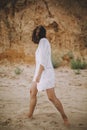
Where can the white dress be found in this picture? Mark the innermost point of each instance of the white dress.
(43, 57)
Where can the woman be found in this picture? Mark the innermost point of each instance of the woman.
(44, 78)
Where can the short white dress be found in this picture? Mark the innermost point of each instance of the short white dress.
(43, 57)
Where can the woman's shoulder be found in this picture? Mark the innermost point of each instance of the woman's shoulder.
(44, 43)
(44, 40)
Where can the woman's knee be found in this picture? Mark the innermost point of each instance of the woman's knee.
(33, 93)
(33, 90)
(51, 95)
(51, 98)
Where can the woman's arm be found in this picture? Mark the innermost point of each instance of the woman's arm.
(41, 68)
(43, 53)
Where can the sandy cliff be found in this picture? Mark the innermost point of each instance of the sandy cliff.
(65, 21)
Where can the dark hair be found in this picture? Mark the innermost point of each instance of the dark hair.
(38, 33)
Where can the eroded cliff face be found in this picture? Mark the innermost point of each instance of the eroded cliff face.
(65, 21)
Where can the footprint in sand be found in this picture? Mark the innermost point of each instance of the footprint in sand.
(7, 122)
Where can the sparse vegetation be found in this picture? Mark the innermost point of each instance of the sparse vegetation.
(56, 61)
(70, 54)
(78, 64)
(18, 71)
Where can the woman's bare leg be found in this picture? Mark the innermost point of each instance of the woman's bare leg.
(33, 99)
(52, 97)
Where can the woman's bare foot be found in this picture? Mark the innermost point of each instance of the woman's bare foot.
(29, 116)
(66, 121)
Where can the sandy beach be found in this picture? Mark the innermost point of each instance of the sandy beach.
(71, 89)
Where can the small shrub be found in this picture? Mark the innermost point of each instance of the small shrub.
(84, 65)
(18, 71)
(78, 64)
(70, 54)
(56, 61)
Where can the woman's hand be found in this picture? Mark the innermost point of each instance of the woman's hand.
(38, 78)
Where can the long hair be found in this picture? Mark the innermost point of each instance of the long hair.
(38, 33)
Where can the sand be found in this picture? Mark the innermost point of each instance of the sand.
(71, 89)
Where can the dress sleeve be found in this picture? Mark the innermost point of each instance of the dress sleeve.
(44, 52)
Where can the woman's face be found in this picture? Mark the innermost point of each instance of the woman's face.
(37, 32)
